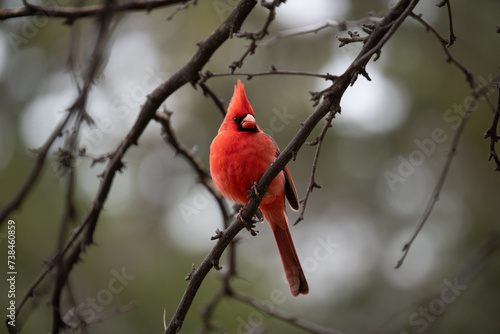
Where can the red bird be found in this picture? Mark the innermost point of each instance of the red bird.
(239, 155)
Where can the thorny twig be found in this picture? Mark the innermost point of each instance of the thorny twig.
(317, 27)
(273, 71)
(68, 216)
(64, 266)
(354, 37)
(35, 172)
(256, 36)
(387, 27)
(203, 175)
(312, 182)
(95, 159)
(492, 132)
(444, 43)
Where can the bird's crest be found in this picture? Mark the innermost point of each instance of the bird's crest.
(239, 105)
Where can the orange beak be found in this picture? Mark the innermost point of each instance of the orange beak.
(248, 122)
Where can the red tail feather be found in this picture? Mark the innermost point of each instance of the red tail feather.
(291, 264)
(293, 270)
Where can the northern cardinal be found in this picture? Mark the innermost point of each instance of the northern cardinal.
(239, 155)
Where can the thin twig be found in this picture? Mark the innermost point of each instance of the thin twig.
(354, 37)
(444, 172)
(256, 36)
(278, 314)
(315, 28)
(95, 159)
(467, 272)
(273, 71)
(492, 132)
(203, 175)
(73, 13)
(36, 171)
(78, 321)
(181, 7)
(209, 309)
(444, 43)
(199, 274)
(452, 38)
(225, 288)
(68, 216)
(63, 267)
(312, 182)
(385, 28)
(207, 91)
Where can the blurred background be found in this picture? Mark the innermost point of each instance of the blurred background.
(378, 166)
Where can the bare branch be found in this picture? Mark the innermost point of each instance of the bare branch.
(256, 36)
(385, 28)
(198, 276)
(95, 159)
(291, 319)
(273, 71)
(203, 175)
(207, 91)
(73, 13)
(209, 309)
(452, 38)
(444, 173)
(63, 268)
(354, 37)
(444, 43)
(468, 271)
(35, 172)
(492, 133)
(312, 182)
(315, 28)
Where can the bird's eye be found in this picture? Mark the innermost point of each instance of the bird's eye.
(235, 119)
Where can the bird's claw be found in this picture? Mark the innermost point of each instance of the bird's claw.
(259, 216)
(248, 225)
(253, 191)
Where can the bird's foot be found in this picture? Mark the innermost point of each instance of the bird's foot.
(253, 191)
(248, 225)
